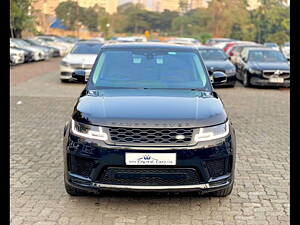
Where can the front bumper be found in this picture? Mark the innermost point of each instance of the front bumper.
(66, 73)
(265, 82)
(231, 79)
(105, 157)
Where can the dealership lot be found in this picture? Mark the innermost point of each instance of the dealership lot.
(40, 106)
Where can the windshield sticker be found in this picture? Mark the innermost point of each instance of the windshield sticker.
(137, 60)
(159, 61)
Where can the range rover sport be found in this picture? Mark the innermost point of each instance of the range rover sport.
(149, 119)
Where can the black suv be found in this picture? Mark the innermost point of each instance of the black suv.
(149, 120)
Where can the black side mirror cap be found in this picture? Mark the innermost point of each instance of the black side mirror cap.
(219, 77)
(79, 75)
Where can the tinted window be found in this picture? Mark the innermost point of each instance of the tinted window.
(212, 54)
(150, 69)
(266, 56)
(86, 48)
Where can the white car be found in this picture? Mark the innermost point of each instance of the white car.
(57, 40)
(38, 54)
(272, 45)
(185, 41)
(285, 49)
(16, 56)
(63, 50)
(131, 39)
(81, 57)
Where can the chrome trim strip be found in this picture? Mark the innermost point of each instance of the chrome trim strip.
(197, 186)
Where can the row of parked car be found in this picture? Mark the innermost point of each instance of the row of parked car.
(252, 63)
(249, 62)
(39, 48)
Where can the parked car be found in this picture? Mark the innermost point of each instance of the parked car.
(213, 41)
(63, 50)
(272, 45)
(185, 41)
(82, 56)
(16, 56)
(263, 67)
(131, 39)
(235, 52)
(229, 45)
(100, 39)
(215, 59)
(149, 120)
(57, 40)
(38, 54)
(285, 49)
(53, 52)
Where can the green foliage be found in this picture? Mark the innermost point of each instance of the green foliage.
(223, 18)
(20, 18)
(69, 13)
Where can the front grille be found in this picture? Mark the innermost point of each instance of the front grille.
(151, 136)
(216, 167)
(81, 66)
(149, 176)
(81, 166)
(270, 73)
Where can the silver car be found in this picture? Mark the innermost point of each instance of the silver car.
(81, 57)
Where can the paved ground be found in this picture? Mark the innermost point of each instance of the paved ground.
(40, 106)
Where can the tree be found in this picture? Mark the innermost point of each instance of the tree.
(20, 17)
(69, 13)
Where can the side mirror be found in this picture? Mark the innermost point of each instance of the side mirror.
(219, 77)
(79, 75)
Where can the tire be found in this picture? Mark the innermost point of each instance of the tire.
(222, 193)
(245, 80)
(65, 81)
(74, 191)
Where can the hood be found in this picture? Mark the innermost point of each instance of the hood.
(269, 65)
(31, 48)
(80, 58)
(219, 65)
(150, 108)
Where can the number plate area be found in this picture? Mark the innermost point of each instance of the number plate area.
(150, 158)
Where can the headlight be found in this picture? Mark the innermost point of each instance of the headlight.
(230, 70)
(255, 71)
(212, 133)
(64, 63)
(88, 131)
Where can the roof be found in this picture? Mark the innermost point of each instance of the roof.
(89, 42)
(150, 45)
(261, 49)
(209, 47)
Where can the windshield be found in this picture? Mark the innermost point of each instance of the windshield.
(213, 54)
(286, 45)
(86, 48)
(150, 69)
(266, 56)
